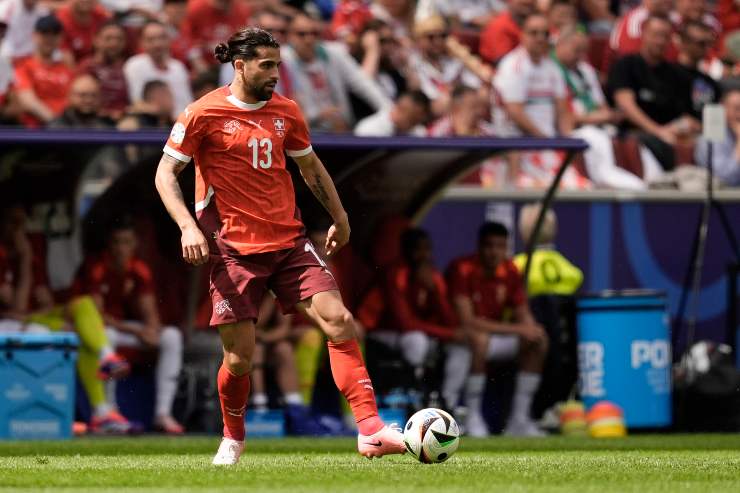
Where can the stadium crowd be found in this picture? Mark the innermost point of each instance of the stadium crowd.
(630, 78)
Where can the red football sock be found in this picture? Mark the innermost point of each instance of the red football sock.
(233, 392)
(352, 379)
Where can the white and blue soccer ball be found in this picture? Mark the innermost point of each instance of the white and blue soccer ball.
(431, 435)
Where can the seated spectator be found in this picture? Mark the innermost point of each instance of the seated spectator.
(384, 59)
(42, 80)
(417, 317)
(277, 25)
(106, 65)
(204, 83)
(123, 288)
(208, 23)
(472, 13)
(155, 63)
(323, 74)
(81, 20)
(153, 111)
(26, 303)
(726, 155)
(399, 14)
(532, 101)
(20, 17)
(652, 94)
(484, 287)
(6, 80)
(83, 109)
(437, 70)
(273, 333)
(561, 14)
(406, 117)
(626, 37)
(173, 18)
(503, 33)
(695, 42)
(550, 272)
(593, 117)
(695, 11)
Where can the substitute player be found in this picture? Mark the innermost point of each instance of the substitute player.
(250, 228)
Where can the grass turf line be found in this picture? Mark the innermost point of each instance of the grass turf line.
(664, 463)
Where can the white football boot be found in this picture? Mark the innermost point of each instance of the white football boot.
(523, 428)
(228, 452)
(475, 426)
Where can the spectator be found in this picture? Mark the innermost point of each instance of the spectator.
(726, 155)
(155, 63)
(399, 14)
(204, 83)
(20, 17)
(550, 272)
(473, 13)
(651, 93)
(123, 288)
(593, 117)
(438, 72)
(418, 312)
(81, 20)
(695, 42)
(695, 11)
(173, 17)
(277, 25)
(627, 35)
(322, 74)
(384, 59)
(42, 80)
(560, 15)
(6, 80)
(531, 87)
(405, 117)
(728, 13)
(83, 109)
(484, 287)
(26, 303)
(208, 23)
(503, 33)
(106, 65)
(153, 111)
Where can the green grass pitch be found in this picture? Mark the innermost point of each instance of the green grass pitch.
(643, 463)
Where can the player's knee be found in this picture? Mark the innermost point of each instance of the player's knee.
(340, 322)
(238, 364)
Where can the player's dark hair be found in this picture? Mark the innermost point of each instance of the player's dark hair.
(491, 228)
(410, 238)
(242, 45)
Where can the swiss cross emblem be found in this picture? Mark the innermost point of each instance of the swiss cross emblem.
(279, 125)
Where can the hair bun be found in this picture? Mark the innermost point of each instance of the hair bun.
(222, 53)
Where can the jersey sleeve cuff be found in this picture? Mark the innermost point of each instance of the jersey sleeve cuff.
(177, 154)
(301, 153)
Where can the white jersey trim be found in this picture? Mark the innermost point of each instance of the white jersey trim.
(245, 106)
(199, 206)
(177, 154)
(301, 153)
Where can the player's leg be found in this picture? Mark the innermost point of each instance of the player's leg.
(328, 312)
(169, 364)
(457, 367)
(287, 374)
(475, 424)
(257, 377)
(531, 362)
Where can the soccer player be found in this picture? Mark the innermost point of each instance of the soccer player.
(249, 228)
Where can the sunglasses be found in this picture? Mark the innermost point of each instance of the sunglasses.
(702, 43)
(386, 41)
(538, 32)
(306, 34)
(436, 36)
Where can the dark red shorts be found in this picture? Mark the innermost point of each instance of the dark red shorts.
(239, 282)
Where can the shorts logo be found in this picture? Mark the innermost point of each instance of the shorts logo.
(222, 307)
(279, 125)
(232, 126)
(178, 133)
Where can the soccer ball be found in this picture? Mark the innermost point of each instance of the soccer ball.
(431, 435)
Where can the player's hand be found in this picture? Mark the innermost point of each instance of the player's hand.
(194, 245)
(338, 236)
(532, 333)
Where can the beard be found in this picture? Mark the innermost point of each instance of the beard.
(262, 92)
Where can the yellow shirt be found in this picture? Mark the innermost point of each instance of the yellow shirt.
(550, 273)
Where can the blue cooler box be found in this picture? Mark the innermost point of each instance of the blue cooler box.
(624, 355)
(37, 385)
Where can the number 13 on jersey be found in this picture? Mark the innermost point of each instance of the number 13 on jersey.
(261, 147)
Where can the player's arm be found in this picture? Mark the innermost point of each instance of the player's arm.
(468, 319)
(194, 245)
(318, 180)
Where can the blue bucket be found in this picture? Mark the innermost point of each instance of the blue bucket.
(624, 354)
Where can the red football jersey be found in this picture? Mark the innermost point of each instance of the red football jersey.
(78, 38)
(491, 295)
(120, 290)
(49, 81)
(243, 191)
